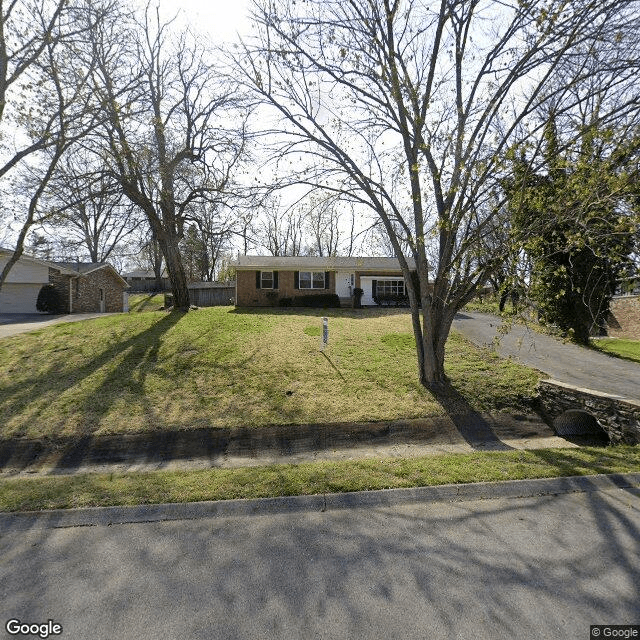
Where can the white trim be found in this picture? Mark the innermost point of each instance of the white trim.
(272, 280)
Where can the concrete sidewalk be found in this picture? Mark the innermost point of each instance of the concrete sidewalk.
(562, 361)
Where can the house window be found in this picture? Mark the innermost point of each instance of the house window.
(390, 287)
(266, 279)
(312, 280)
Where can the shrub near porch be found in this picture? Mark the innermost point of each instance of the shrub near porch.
(218, 367)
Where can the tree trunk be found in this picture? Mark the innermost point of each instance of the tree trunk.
(175, 271)
(434, 336)
(431, 336)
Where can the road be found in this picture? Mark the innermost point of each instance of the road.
(565, 362)
(540, 567)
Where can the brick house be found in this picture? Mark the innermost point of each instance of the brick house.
(83, 287)
(90, 287)
(262, 281)
(624, 317)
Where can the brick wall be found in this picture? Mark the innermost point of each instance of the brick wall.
(86, 292)
(624, 319)
(248, 296)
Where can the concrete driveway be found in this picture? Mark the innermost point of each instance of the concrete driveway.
(539, 567)
(561, 361)
(12, 324)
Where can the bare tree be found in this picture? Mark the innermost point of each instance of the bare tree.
(44, 98)
(87, 210)
(206, 240)
(168, 139)
(409, 107)
(282, 233)
(147, 254)
(322, 219)
(28, 33)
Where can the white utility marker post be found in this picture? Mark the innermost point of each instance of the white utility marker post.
(325, 333)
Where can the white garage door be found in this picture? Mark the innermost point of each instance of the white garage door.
(19, 298)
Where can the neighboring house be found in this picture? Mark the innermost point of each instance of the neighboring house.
(90, 287)
(20, 290)
(83, 287)
(624, 317)
(263, 280)
(146, 281)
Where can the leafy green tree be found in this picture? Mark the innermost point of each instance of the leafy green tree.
(575, 219)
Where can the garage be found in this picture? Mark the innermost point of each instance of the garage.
(384, 284)
(20, 290)
(19, 297)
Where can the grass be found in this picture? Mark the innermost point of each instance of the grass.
(92, 490)
(627, 349)
(145, 302)
(219, 367)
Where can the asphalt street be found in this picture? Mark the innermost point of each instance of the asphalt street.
(538, 567)
(560, 360)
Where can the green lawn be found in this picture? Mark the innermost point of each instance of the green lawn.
(145, 301)
(92, 490)
(628, 349)
(221, 367)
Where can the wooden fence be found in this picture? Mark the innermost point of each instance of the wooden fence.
(212, 296)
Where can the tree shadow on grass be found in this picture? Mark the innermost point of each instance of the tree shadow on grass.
(471, 425)
(140, 349)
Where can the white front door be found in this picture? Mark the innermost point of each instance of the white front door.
(102, 305)
(366, 283)
(344, 283)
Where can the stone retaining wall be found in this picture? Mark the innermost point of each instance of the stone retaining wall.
(619, 417)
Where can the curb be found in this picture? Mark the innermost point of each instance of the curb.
(107, 516)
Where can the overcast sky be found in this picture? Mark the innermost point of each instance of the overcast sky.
(221, 19)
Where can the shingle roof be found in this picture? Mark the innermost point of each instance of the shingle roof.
(314, 262)
(83, 268)
(141, 273)
(42, 261)
(80, 267)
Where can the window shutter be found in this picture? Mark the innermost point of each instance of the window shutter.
(296, 279)
(326, 280)
(374, 284)
(275, 279)
(258, 280)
